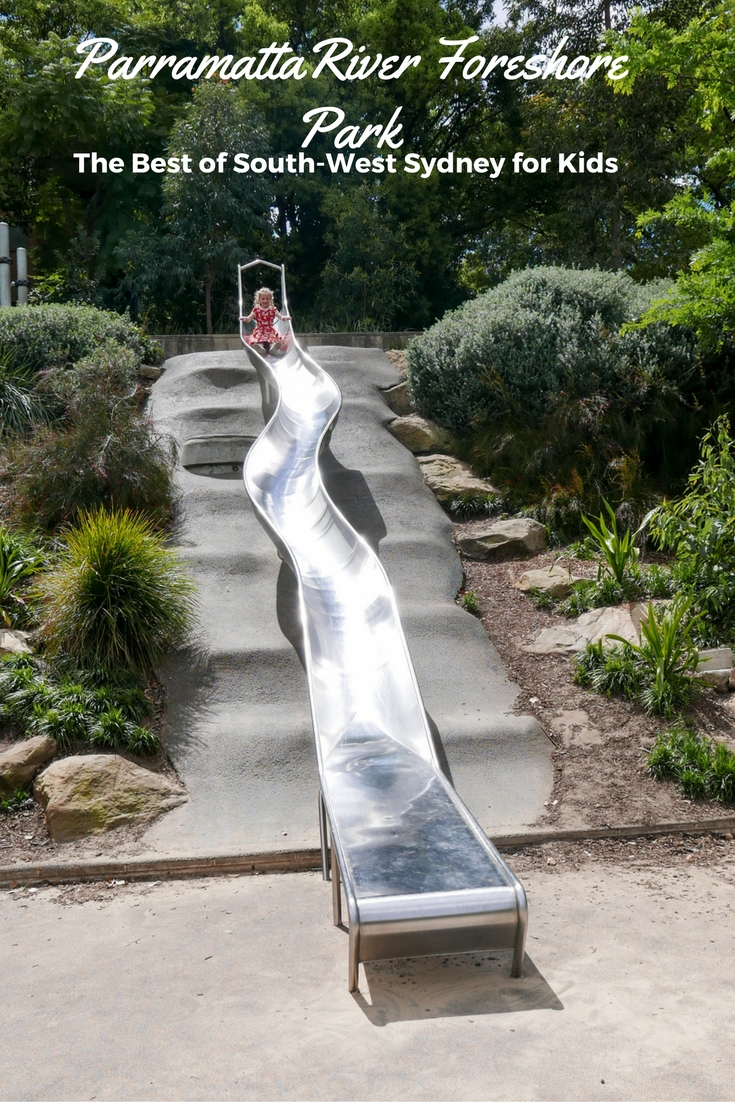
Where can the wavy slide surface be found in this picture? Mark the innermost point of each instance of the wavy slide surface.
(420, 876)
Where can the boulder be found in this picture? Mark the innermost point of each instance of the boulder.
(557, 581)
(450, 478)
(419, 435)
(14, 642)
(19, 764)
(93, 793)
(590, 627)
(399, 399)
(716, 679)
(715, 668)
(719, 659)
(505, 539)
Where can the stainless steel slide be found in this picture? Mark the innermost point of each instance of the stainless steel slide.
(420, 876)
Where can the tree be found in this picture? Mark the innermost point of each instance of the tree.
(699, 60)
(210, 219)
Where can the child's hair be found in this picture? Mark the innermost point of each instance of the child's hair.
(263, 290)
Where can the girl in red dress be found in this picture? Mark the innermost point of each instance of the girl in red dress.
(264, 314)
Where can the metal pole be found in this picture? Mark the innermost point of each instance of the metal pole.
(5, 299)
(21, 281)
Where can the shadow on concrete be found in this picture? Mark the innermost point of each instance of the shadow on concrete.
(351, 494)
(193, 679)
(457, 986)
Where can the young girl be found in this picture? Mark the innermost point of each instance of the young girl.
(264, 314)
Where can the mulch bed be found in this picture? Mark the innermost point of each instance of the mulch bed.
(599, 758)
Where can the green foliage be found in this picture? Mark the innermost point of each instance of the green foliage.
(40, 337)
(366, 282)
(658, 672)
(699, 528)
(21, 405)
(209, 221)
(697, 56)
(703, 767)
(20, 560)
(618, 550)
(658, 582)
(117, 596)
(94, 705)
(553, 399)
(469, 601)
(142, 742)
(467, 506)
(103, 452)
(14, 801)
(541, 333)
(612, 670)
(111, 730)
(669, 656)
(541, 598)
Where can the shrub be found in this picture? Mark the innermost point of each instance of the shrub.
(21, 405)
(95, 705)
(111, 729)
(701, 766)
(535, 335)
(20, 560)
(143, 742)
(618, 550)
(472, 505)
(60, 334)
(552, 397)
(103, 453)
(117, 597)
(658, 673)
(700, 529)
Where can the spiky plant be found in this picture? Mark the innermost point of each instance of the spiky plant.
(21, 405)
(117, 597)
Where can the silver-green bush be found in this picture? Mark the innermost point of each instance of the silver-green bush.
(541, 333)
(57, 334)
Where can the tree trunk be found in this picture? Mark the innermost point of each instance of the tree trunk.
(208, 284)
(606, 14)
(615, 233)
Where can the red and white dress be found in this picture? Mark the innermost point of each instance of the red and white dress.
(264, 333)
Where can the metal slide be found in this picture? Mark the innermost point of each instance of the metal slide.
(420, 876)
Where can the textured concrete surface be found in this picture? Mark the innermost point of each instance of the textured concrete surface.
(238, 712)
(237, 989)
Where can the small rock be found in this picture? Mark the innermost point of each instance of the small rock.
(19, 764)
(150, 372)
(14, 642)
(590, 627)
(505, 539)
(719, 659)
(728, 837)
(731, 681)
(557, 581)
(399, 399)
(717, 679)
(419, 435)
(92, 793)
(450, 478)
(551, 860)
